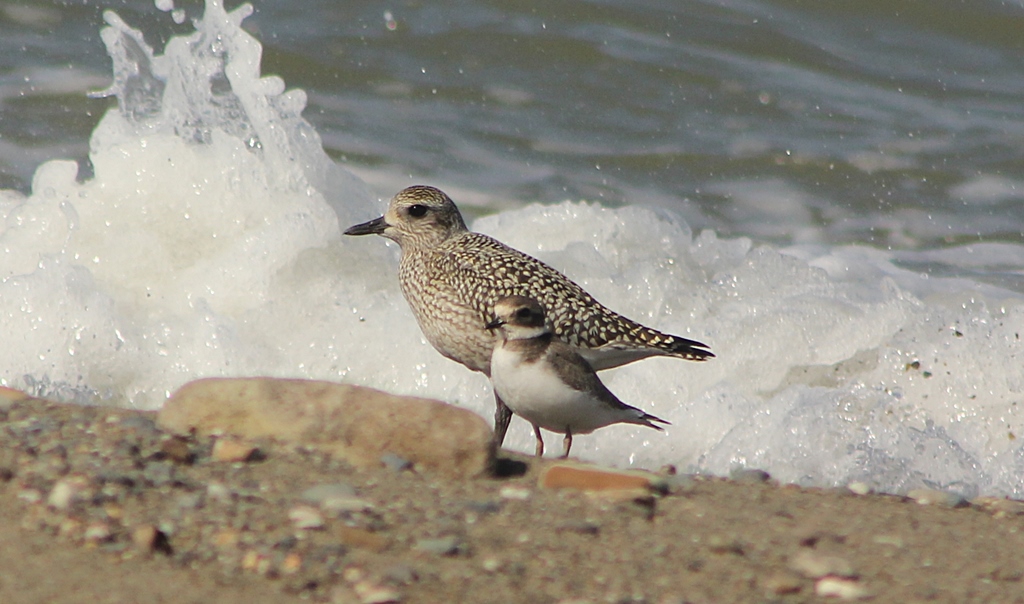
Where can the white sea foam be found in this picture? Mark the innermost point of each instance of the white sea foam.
(207, 243)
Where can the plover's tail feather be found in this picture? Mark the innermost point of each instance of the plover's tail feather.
(646, 419)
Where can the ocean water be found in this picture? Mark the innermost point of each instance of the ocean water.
(829, 199)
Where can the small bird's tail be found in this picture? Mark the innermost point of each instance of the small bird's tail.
(646, 419)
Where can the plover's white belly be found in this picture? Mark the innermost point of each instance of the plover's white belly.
(534, 392)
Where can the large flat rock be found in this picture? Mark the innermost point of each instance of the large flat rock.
(355, 423)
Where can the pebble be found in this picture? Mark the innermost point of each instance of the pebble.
(306, 517)
(893, 540)
(97, 532)
(226, 538)
(218, 492)
(335, 498)
(158, 473)
(678, 484)
(30, 495)
(356, 424)
(372, 593)
(449, 545)
(514, 493)
(814, 565)
(860, 488)
(139, 423)
(783, 583)
(291, 564)
(177, 449)
(939, 498)
(66, 491)
(838, 587)
(148, 538)
(401, 574)
(394, 462)
(353, 574)
(232, 450)
(1000, 506)
(491, 564)
(254, 561)
(585, 477)
(725, 545)
(581, 527)
(749, 475)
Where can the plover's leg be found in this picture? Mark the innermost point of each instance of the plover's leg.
(567, 442)
(502, 417)
(539, 451)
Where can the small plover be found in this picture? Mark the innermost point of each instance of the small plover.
(546, 382)
(452, 278)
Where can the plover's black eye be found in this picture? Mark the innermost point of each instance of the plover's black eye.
(523, 313)
(417, 211)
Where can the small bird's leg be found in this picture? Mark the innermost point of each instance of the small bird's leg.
(567, 442)
(502, 417)
(539, 452)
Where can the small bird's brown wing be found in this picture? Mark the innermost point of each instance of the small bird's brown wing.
(577, 373)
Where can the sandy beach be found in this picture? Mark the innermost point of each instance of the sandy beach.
(99, 504)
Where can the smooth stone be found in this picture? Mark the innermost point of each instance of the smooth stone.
(860, 488)
(678, 484)
(176, 449)
(140, 423)
(232, 450)
(838, 587)
(442, 546)
(939, 498)
(66, 491)
(514, 493)
(338, 497)
(783, 583)
(356, 424)
(815, 565)
(394, 462)
(98, 532)
(749, 475)
(145, 537)
(373, 593)
(158, 473)
(401, 574)
(584, 477)
(306, 517)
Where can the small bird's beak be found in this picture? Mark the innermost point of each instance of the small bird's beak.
(374, 227)
(494, 324)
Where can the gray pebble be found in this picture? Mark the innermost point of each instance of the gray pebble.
(749, 475)
(450, 545)
(395, 462)
(158, 473)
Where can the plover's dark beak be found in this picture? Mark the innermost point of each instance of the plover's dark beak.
(374, 227)
(494, 324)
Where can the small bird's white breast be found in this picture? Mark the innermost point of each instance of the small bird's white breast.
(535, 392)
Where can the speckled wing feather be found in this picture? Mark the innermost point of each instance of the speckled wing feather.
(487, 270)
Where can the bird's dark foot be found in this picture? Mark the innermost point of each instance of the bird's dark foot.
(502, 418)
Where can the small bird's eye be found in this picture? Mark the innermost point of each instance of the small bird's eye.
(417, 211)
(523, 313)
